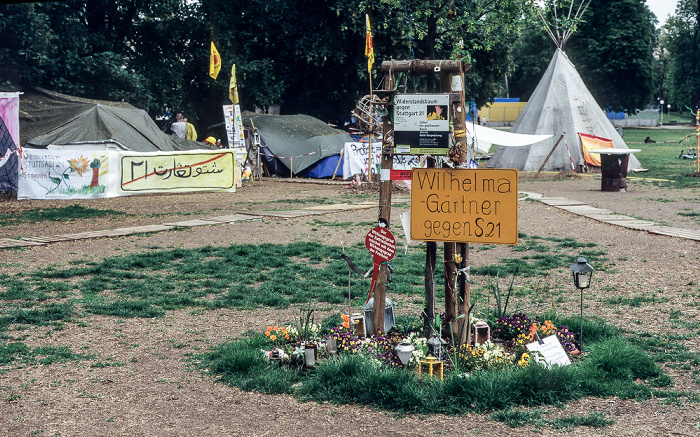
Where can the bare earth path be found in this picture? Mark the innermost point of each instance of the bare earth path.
(156, 392)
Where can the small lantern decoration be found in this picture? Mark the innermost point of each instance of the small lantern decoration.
(583, 273)
(482, 332)
(431, 363)
(331, 347)
(358, 321)
(404, 350)
(310, 355)
(435, 346)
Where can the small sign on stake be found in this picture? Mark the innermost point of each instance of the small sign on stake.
(382, 245)
(550, 352)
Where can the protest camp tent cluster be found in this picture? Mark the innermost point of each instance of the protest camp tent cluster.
(52, 119)
(561, 104)
(302, 144)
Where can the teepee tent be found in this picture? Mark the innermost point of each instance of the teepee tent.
(561, 104)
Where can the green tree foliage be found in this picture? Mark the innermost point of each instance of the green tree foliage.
(306, 55)
(531, 54)
(683, 43)
(481, 32)
(611, 47)
(146, 53)
(613, 51)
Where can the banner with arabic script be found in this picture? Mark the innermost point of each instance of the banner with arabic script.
(67, 174)
(159, 172)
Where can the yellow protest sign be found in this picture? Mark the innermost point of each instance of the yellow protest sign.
(177, 171)
(464, 205)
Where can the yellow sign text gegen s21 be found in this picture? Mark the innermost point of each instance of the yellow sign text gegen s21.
(464, 205)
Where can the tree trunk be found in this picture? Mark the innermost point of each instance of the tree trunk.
(95, 177)
(430, 261)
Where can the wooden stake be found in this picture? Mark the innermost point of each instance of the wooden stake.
(342, 151)
(550, 153)
(384, 213)
(371, 128)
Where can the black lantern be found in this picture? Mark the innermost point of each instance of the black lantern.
(583, 273)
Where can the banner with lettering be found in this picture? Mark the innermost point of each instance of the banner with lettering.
(592, 142)
(158, 172)
(356, 154)
(67, 174)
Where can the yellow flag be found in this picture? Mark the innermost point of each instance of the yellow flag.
(214, 62)
(232, 87)
(369, 46)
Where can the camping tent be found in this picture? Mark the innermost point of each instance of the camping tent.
(116, 128)
(560, 104)
(47, 117)
(304, 144)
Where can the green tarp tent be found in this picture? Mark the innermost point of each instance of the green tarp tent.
(48, 118)
(296, 141)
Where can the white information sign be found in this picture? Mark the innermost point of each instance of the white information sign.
(552, 352)
(422, 124)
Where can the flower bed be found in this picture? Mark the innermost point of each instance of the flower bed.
(490, 376)
(508, 348)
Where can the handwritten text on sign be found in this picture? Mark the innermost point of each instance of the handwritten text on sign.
(177, 171)
(382, 245)
(465, 205)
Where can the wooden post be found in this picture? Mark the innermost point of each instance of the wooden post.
(384, 213)
(449, 248)
(697, 141)
(430, 261)
(464, 299)
(550, 153)
(459, 122)
(371, 128)
(342, 152)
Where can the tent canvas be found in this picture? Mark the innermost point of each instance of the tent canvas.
(297, 142)
(47, 117)
(124, 128)
(560, 104)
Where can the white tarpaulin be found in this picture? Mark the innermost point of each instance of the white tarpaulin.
(68, 174)
(486, 136)
(355, 157)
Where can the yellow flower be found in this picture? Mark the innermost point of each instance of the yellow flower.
(524, 360)
(80, 165)
(273, 337)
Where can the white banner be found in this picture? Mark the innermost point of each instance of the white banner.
(68, 174)
(234, 131)
(355, 156)
(159, 172)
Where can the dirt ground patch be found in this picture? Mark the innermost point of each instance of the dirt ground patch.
(155, 391)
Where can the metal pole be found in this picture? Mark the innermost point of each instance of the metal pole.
(581, 337)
